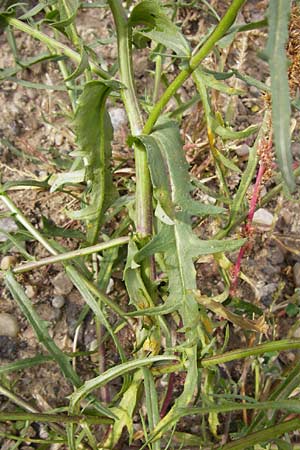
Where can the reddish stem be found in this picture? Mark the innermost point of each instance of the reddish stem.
(252, 207)
(168, 396)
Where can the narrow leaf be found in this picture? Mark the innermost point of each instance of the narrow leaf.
(278, 20)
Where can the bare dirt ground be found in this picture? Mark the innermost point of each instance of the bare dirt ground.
(35, 142)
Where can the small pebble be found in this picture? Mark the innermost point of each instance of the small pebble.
(58, 139)
(30, 291)
(62, 284)
(254, 91)
(8, 325)
(58, 301)
(296, 273)
(242, 150)
(8, 225)
(263, 218)
(7, 262)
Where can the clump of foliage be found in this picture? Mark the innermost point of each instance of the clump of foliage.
(173, 322)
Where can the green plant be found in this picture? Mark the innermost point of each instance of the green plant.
(170, 317)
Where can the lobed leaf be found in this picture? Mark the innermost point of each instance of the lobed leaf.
(161, 29)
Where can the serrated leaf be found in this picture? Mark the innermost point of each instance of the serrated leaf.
(172, 187)
(278, 20)
(94, 134)
(161, 29)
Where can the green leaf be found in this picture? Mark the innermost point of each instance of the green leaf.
(227, 162)
(228, 133)
(278, 19)
(214, 83)
(84, 64)
(252, 81)
(59, 180)
(161, 29)
(40, 329)
(94, 134)
(172, 187)
(67, 14)
(110, 374)
(31, 85)
(11, 71)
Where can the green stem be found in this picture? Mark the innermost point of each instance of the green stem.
(143, 182)
(53, 43)
(157, 77)
(195, 60)
(52, 418)
(265, 435)
(73, 254)
(278, 346)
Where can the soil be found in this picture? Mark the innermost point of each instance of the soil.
(36, 142)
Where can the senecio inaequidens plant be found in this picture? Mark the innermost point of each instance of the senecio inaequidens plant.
(175, 368)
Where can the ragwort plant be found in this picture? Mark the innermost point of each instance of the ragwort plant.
(173, 322)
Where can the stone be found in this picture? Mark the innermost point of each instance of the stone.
(8, 325)
(254, 91)
(58, 139)
(9, 225)
(30, 291)
(296, 273)
(62, 284)
(118, 118)
(242, 150)
(58, 301)
(263, 218)
(8, 261)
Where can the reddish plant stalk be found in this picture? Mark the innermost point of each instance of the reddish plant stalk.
(168, 397)
(248, 226)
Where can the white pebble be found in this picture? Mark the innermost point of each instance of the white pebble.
(263, 218)
(8, 325)
(7, 262)
(58, 301)
(30, 291)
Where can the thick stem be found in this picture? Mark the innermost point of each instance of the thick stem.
(143, 182)
(195, 60)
